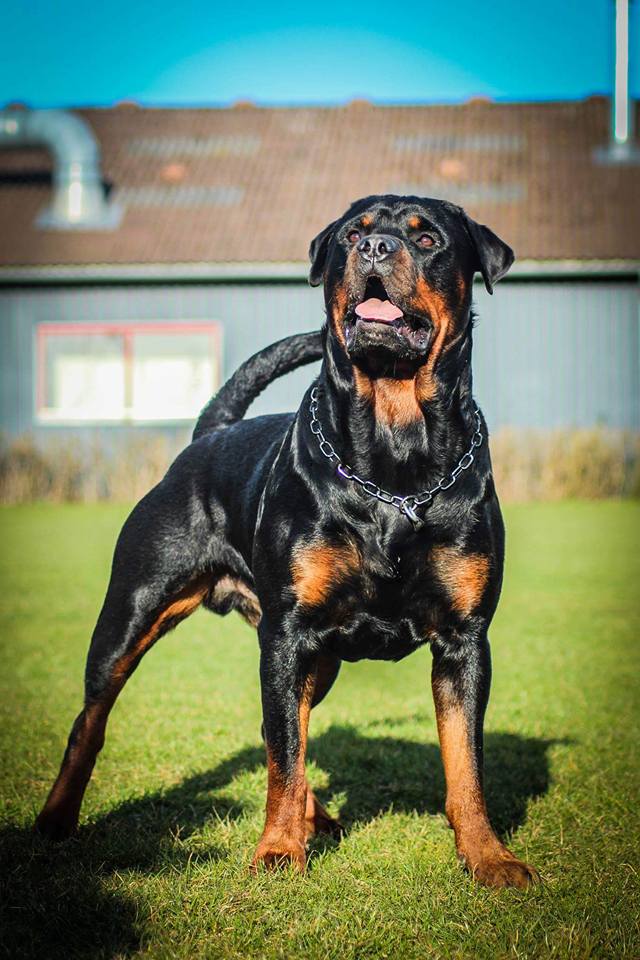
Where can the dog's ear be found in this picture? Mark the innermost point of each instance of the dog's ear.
(318, 253)
(494, 255)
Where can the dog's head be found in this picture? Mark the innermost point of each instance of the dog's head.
(398, 273)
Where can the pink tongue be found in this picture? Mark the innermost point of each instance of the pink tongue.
(382, 310)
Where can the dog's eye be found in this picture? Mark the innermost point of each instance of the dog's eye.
(425, 240)
(353, 236)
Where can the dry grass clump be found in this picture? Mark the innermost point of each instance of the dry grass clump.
(138, 466)
(69, 470)
(528, 465)
(592, 464)
(25, 472)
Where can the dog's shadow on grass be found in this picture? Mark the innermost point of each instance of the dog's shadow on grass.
(55, 897)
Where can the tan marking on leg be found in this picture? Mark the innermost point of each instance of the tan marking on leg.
(318, 820)
(183, 604)
(317, 568)
(465, 806)
(477, 845)
(285, 832)
(59, 816)
(464, 576)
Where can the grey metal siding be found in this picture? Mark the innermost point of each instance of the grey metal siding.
(251, 317)
(559, 354)
(546, 354)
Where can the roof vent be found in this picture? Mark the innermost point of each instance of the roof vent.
(78, 201)
(621, 147)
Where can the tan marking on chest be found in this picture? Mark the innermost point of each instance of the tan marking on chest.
(394, 400)
(317, 568)
(363, 384)
(463, 575)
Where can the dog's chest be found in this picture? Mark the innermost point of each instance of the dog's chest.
(371, 601)
(382, 596)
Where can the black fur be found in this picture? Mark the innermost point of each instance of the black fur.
(253, 517)
(232, 401)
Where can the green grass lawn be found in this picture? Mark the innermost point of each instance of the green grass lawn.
(160, 865)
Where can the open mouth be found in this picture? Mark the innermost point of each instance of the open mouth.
(376, 307)
(376, 310)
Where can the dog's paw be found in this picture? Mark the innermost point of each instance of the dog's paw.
(279, 851)
(55, 825)
(317, 820)
(501, 869)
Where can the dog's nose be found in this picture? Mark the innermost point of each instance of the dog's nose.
(377, 246)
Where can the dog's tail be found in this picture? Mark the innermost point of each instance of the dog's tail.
(232, 400)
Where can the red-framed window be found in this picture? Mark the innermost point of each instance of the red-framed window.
(125, 372)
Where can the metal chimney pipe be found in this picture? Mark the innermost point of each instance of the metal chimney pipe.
(78, 201)
(621, 147)
(622, 115)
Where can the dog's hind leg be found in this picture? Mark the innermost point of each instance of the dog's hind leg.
(156, 581)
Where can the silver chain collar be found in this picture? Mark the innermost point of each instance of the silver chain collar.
(406, 505)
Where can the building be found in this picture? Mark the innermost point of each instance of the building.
(129, 323)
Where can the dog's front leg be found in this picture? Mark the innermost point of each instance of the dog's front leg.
(460, 679)
(288, 681)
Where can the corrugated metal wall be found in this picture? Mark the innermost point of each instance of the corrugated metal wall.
(547, 354)
(559, 354)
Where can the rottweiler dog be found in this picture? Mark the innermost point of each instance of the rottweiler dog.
(363, 526)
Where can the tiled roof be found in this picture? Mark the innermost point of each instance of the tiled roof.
(249, 184)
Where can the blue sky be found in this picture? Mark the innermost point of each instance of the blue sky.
(59, 53)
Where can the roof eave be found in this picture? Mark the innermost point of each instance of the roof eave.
(286, 271)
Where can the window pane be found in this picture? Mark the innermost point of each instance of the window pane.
(84, 376)
(174, 374)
